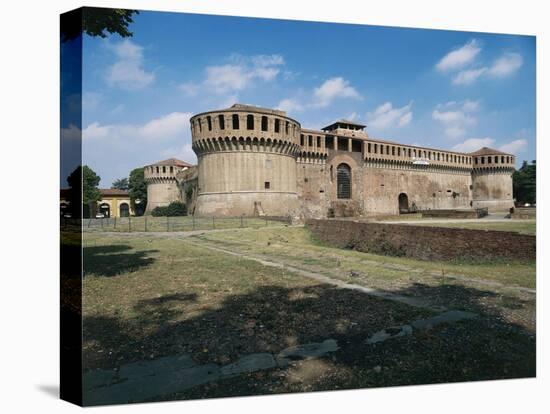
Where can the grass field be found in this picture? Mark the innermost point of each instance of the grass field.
(147, 297)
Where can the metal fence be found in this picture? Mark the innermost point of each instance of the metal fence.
(168, 224)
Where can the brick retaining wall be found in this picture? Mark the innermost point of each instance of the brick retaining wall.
(423, 242)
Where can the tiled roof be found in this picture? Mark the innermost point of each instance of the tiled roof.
(106, 192)
(488, 151)
(173, 161)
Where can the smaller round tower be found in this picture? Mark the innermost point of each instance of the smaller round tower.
(162, 185)
(492, 179)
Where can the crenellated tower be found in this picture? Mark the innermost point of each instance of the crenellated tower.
(246, 161)
(162, 183)
(492, 179)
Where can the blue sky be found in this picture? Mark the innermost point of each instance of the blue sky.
(446, 89)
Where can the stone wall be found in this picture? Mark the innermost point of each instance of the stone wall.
(423, 242)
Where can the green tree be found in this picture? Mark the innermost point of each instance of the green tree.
(174, 209)
(83, 182)
(96, 21)
(137, 189)
(525, 183)
(120, 184)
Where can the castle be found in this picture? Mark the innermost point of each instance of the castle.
(258, 161)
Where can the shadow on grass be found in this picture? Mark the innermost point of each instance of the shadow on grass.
(271, 318)
(112, 260)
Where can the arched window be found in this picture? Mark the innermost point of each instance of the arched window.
(264, 123)
(235, 121)
(343, 176)
(221, 121)
(250, 122)
(124, 210)
(209, 120)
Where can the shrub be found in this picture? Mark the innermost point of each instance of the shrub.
(174, 209)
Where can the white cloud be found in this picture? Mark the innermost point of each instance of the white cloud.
(386, 116)
(290, 105)
(332, 89)
(459, 58)
(91, 100)
(466, 77)
(184, 152)
(473, 144)
(189, 88)
(237, 75)
(506, 65)
(167, 126)
(353, 116)
(470, 106)
(456, 117)
(70, 133)
(514, 147)
(128, 72)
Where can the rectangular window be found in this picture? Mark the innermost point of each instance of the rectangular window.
(318, 142)
(267, 185)
(310, 141)
(277, 125)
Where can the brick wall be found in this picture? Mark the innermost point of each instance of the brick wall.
(423, 242)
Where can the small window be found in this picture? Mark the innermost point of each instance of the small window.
(250, 122)
(264, 123)
(200, 124)
(277, 125)
(157, 170)
(235, 121)
(483, 160)
(318, 142)
(310, 140)
(209, 120)
(163, 169)
(502, 159)
(267, 185)
(171, 169)
(368, 147)
(302, 140)
(489, 159)
(343, 181)
(221, 121)
(475, 160)
(286, 127)
(392, 150)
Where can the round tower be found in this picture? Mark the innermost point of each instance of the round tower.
(162, 186)
(492, 179)
(246, 162)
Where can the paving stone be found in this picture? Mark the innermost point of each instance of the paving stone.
(249, 363)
